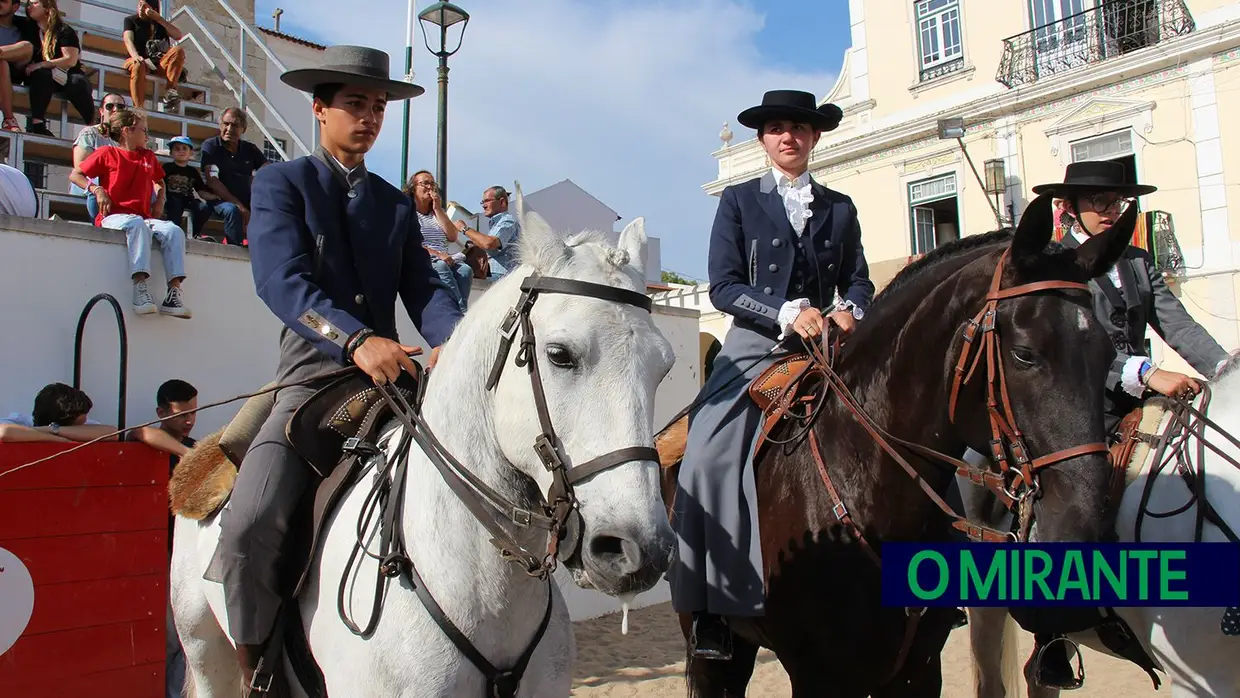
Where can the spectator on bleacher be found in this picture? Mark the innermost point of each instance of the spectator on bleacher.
(92, 138)
(61, 413)
(16, 193)
(18, 35)
(128, 175)
(149, 40)
(187, 193)
(500, 245)
(59, 69)
(229, 163)
(437, 231)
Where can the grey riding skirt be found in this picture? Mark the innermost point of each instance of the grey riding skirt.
(719, 554)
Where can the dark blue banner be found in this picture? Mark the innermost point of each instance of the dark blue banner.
(1061, 574)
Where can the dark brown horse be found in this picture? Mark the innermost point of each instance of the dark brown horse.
(825, 618)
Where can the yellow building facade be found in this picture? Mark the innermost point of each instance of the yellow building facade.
(955, 109)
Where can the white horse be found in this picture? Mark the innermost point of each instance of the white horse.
(1186, 643)
(600, 363)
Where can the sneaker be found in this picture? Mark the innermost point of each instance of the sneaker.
(143, 304)
(171, 99)
(39, 129)
(174, 305)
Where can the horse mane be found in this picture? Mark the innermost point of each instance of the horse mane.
(932, 260)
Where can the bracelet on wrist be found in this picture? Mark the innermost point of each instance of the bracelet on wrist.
(356, 341)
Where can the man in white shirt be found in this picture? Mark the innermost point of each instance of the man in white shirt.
(17, 196)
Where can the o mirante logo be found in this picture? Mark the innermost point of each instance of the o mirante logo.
(1064, 574)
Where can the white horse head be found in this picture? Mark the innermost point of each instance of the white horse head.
(600, 363)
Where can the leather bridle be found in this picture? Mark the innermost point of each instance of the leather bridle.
(1019, 478)
(558, 515)
(561, 516)
(1015, 481)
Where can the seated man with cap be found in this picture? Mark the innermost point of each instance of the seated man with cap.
(331, 247)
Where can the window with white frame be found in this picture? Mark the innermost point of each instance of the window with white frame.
(1105, 147)
(270, 152)
(938, 37)
(934, 212)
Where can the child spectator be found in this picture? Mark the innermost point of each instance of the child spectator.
(184, 182)
(128, 174)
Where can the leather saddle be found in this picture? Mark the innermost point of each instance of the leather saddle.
(778, 389)
(335, 431)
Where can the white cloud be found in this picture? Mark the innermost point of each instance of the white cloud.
(624, 98)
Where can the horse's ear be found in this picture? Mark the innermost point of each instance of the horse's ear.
(1034, 230)
(633, 241)
(1100, 252)
(540, 246)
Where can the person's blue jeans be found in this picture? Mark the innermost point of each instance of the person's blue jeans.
(92, 204)
(459, 279)
(200, 213)
(140, 235)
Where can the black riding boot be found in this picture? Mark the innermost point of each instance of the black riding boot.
(1049, 665)
(711, 637)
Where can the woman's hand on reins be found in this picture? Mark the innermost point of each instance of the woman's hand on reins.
(844, 320)
(809, 323)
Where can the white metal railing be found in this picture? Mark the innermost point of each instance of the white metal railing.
(206, 33)
(247, 86)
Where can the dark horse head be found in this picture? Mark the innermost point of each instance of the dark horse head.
(1053, 356)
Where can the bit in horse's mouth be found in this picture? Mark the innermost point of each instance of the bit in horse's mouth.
(582, 578)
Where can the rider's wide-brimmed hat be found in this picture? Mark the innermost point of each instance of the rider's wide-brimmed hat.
(794, 105)
(1085, 178)
(352, 65)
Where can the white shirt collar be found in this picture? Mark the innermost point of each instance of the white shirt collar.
(347, 170)
(782, 179)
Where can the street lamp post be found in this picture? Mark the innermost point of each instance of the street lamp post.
(404, 143)
(443, 15)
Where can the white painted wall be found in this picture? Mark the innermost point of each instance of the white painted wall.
(290, 103)
(570, 209)
(228, 348)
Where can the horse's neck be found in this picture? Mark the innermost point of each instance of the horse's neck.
(903, 394)
(451, 549)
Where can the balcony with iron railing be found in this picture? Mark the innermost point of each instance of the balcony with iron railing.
(1113, 28)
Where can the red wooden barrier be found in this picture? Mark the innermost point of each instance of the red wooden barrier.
(92, 529)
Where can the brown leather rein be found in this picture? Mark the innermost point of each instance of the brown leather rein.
(1015, 481)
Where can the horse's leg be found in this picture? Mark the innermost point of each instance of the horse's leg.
(993, 640)
(713, 678)
(211, 668)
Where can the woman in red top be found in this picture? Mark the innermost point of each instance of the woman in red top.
(131, 198)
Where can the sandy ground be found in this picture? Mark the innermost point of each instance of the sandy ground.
(649, 662)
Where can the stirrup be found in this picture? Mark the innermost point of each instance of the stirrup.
(724, 654)
(1036, 662)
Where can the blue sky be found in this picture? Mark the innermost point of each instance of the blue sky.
(624, 97)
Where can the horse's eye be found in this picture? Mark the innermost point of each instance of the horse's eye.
(560, 356)
(1024, 356)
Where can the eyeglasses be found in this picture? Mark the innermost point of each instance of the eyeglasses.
(112, 106)
(1106, 202)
